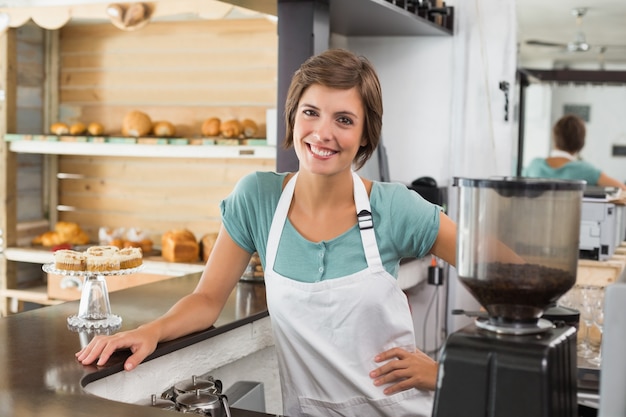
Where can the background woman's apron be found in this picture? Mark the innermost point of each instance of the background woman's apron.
(327, 333)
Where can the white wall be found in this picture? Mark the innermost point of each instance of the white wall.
(443, 110)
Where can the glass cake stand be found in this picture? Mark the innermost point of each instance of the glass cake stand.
(94, 311)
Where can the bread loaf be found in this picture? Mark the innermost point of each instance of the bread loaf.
(95, 128)
(180, 245)
(250, 128)
(135, 14)
(163, 129)
(231, 128)
(77, 128)
(59, 128)
(211, 127)
(64, 232)
(136, 123)
(206, 245)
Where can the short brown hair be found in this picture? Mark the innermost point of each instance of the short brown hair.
(340, 69)
(569, 133)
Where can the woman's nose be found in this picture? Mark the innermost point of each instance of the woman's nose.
(323, 130)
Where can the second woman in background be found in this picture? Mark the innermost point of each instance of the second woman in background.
(564, 163)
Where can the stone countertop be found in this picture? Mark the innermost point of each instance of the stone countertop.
(39, 375)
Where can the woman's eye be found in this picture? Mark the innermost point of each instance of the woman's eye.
(309, 112)
(345, 120)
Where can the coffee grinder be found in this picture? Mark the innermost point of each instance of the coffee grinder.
(517, 253)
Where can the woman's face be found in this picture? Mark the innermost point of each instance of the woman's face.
(328, 129)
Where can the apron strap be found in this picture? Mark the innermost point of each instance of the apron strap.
(366, 223)
(278, 222)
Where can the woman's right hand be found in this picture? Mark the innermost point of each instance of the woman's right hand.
(141, 342)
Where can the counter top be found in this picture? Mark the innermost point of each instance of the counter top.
(39, 375)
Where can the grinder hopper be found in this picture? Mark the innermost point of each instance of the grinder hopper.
(517, 247)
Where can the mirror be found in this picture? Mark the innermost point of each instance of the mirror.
(544, 100)
(599, 104)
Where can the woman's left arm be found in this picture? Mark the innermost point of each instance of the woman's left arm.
(445, 243)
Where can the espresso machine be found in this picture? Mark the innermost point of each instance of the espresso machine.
(517, 253)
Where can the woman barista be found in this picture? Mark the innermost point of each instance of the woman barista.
(563, 163)
(330, 243)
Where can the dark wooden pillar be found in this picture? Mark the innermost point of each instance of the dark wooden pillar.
(303, 31)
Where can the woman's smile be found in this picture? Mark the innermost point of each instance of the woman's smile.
(321, 151)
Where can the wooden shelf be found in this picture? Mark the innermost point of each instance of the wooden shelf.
(152, 264)
(141, 150)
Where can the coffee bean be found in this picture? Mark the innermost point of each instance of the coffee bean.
(517, 292)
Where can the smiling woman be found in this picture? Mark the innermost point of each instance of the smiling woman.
(330, 243)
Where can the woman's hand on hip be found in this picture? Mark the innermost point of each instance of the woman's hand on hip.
(405, 370)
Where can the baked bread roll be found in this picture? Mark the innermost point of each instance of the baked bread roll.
(135, 14)
(231, 129)
(77, 128)
(136, 123)
(163, 129)
(116, 14)
(95, 128)
(211, 127)
(206, 245)
(250, 128)
(64, 232)
(144, 244)
(180, 245)
(49, 239)
(129, 17)
(59, 128)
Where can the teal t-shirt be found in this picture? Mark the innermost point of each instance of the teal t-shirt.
(574, 170)
(405, 224)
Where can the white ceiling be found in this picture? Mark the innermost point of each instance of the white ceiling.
(604, 24)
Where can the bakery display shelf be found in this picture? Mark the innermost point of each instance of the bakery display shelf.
(140, 147)
(152, 264)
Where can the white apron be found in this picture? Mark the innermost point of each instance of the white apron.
(327, 333)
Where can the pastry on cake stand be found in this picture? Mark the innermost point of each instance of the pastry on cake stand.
(94, 311)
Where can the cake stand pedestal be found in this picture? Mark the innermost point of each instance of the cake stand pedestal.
(94, 311)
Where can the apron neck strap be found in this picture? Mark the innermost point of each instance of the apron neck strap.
(366, 223)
